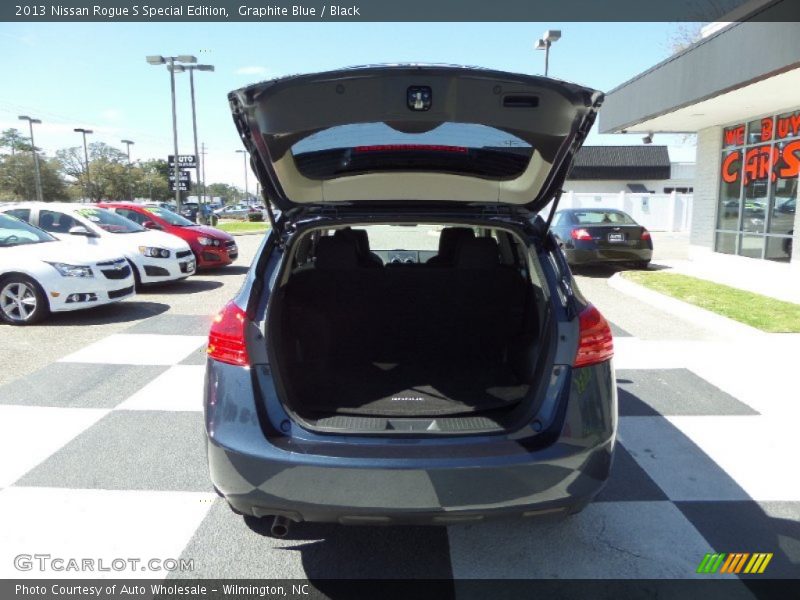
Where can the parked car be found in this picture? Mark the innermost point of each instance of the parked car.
(190, 210)
(40, 274)
(211, 247)
(236, 211)
(420, 391)
(154, 255)
(590, 236)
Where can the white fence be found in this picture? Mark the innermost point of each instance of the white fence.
(657, 212)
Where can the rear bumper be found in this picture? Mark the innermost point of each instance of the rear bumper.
(586, 256)
(415, 495)
(308, 477)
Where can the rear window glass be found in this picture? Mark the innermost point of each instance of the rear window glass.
(461, 148)
(599, 217)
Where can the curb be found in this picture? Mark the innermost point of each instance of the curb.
(689, 312)
(248, 232)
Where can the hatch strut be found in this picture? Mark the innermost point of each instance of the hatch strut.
(277, 229)
(553, 208)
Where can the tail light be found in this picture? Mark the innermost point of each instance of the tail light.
(645, 234)
(580, 234)
(226, 341)
(596, 343)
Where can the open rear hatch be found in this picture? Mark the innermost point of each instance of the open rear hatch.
(409, 133)
(462, 340)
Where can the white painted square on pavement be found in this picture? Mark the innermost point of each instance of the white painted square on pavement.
(138, 349)
(98, 524)
(677, 465)
(30, 434)
(180, 388)
(608, 540)
(760, 453)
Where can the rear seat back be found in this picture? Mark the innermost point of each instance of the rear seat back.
(470, 310)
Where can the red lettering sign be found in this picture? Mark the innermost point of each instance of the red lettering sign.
(766, 129)
(791, 160)
(734, 136)
(789, 126)
(758, 163)
(729, 174)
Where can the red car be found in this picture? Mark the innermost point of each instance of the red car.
(212, 247)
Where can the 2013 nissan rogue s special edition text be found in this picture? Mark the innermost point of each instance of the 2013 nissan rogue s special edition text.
(409, 345)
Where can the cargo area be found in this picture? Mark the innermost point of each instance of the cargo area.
(452, 330)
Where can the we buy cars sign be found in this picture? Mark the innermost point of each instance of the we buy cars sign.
(185, 161)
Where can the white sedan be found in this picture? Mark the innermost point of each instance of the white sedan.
(40, 274)
(156, 256)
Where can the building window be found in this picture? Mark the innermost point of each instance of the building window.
(760, 166)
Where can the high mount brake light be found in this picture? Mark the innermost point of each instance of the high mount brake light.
(226, 340)
(596, 342)
(580, 234)
(412, 148)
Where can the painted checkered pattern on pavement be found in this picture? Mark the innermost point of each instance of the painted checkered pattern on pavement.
(104, 457)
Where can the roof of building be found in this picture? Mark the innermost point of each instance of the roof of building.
(621, 162)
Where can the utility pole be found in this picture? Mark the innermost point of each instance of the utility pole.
(172, 68)
(35, 156)
(130, 183)
(86, 157)
(202, 158)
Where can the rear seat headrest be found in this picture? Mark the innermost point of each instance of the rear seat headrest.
(451, 238)
(478, 253)
(336, 253)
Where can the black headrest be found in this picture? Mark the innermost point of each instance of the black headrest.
(451, 238)
(478, 253)
(357, 236)
(336, 253)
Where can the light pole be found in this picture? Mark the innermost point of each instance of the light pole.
(246, 188)
(86, 158)
(200, 173)
(547, 39)
(31, 121)
(128, 143)
(172, 67)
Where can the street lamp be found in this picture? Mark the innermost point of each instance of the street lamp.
(130, 183)
(201, 181)
(246, 188)
(86, 157)
(547, 39)
(31, 121)
(171, 67)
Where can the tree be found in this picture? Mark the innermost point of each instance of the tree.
(684, 36)
(109, 176)
(152, 180)
(18, 178)
(15, 141)
(224, 191)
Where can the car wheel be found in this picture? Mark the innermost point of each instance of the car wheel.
(137, 280)
(22, 301)
(643, 264)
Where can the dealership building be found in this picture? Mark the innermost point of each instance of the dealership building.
(738, 90)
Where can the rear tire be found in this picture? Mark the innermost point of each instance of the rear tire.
(643, 265)
(22, 301)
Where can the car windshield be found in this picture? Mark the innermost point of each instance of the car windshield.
(602, 217)
(169, 216)
(109, 221)
(14, 232)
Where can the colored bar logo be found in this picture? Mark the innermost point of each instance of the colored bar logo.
(736, 562)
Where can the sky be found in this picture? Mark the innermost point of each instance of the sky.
(94, 75)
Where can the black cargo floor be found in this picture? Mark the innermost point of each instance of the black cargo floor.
(407, 390)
